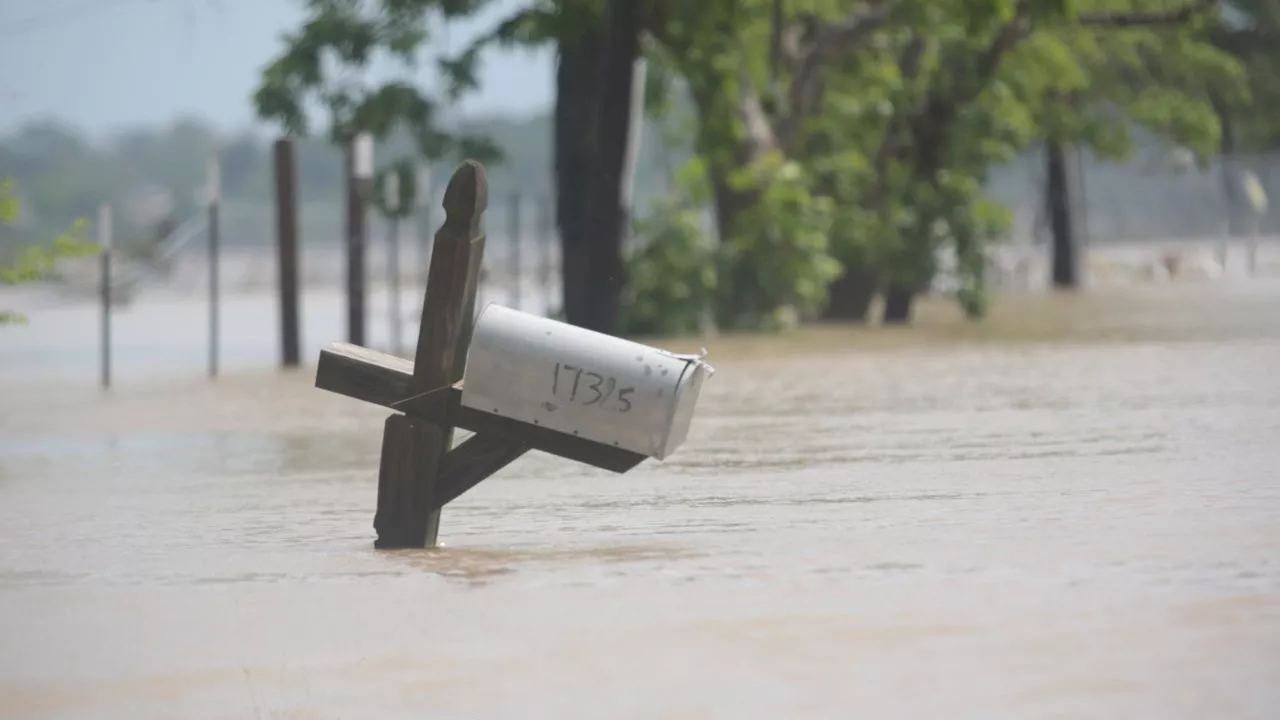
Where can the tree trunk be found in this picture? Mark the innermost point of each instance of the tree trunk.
(1065, 265)
(606, 216)
(849, 296)
(1226, 152)
(576, 79)
(897, 304)
(735, 301)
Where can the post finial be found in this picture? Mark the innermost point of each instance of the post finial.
(466, 196)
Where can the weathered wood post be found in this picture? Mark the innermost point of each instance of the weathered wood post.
(213, 183)
(287, 251)
(547, 248)
(412, 448)
(358, 172)
(104, 248)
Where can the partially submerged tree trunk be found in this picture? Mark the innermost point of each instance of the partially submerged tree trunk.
(1065, 265)
(576, 79)
(1227, 152)
(730, 203)
(898, 301)
(849, 296)
(605, 215)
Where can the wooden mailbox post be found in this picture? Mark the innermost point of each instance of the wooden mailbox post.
(421, 470)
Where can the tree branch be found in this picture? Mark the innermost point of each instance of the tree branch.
(909, 66)
(1147, 18)
(839, 37)
(805, 92)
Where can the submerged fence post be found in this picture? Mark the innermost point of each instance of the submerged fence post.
(1257, 197)
(546, 245)
(104, 246)
(214, 181)
(513, 243)
(1252, 258)
(359, 173)
(391, 199)
(423, 198)
(287, 249)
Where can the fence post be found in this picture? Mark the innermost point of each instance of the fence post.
(424, 197)
(214, 182)
(1220, 252)
(104, 247)
(359, 171)
(546, 245)
(391, 200)
(513, 242)
(1254, 231)
(287, 250)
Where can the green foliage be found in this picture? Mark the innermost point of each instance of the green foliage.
(1249, 31)
(1163, 77)
(775, 264)
(33, 263)
(898, 123)
(405, 202)
(864, 142)
(350, 34)
(769, 275)
(671, 273)
(10, 208)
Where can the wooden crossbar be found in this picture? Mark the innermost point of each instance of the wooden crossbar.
(383, 379)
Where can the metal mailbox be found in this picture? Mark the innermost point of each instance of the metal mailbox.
(581, 382)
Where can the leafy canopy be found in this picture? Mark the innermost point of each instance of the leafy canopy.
(34, 263)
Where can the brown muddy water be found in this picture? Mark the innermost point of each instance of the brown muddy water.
(1071, 511)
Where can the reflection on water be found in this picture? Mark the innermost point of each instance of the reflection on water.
(1068, 511)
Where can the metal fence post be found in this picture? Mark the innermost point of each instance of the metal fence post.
(104, 246)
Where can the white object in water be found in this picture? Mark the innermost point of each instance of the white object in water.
(579, 382)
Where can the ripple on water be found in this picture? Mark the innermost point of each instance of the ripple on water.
(995, 511)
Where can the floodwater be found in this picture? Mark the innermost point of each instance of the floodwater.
(1070, 511)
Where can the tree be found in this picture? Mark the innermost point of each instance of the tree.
(1151, 67)
(842, 145)
(1249, 30)
(34, 262)
(349, 34)
(899, 111)
(593, 81)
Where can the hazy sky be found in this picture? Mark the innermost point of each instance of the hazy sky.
(107, 64)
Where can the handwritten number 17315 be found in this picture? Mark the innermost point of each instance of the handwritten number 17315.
(589, 388)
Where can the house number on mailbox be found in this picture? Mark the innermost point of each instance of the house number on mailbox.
(589, 388)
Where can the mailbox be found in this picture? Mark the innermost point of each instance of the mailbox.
(580, 382)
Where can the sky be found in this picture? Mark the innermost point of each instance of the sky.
(106, 65)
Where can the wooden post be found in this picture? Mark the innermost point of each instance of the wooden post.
(422, 221)
(513, 239)
(1251, 260)
(215, 203)
(391, 202)
(547, 249)
(356, 173)
(287, 249)
(104, 245)
(413, 448)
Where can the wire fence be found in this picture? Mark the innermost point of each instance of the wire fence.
(1140, 223)
(1135, 212)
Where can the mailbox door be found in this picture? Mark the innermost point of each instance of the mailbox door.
(575, 381)
(687, 390)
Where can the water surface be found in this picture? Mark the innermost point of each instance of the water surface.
(1069, 511)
